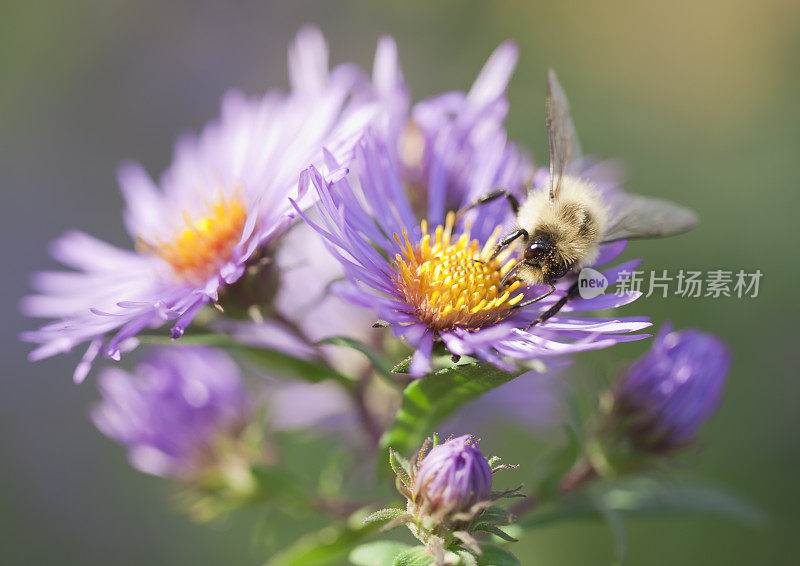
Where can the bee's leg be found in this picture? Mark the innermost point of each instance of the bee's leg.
(510, 273)
(552, 311)
(537, 299)
(504, 242)
(489, 197)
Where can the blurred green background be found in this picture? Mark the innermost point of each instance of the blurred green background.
(701, 99)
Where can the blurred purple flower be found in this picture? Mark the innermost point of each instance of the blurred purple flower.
(174, 409)
(224, 196)
(426, 284)
(671, 391)
(453, 477)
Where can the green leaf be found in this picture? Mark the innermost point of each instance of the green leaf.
(326, 547)
(383, 515)
(416, 556)
(493, 555)
(403, 366)
(379, 553)
(497, 515)
(277, 363)
(401, 467)
(493, 530)
(428, 401)
(642, 497)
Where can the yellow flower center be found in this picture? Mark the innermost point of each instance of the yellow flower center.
(205, 244)
(449, 285)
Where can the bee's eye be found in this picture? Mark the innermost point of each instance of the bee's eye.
(537, 251)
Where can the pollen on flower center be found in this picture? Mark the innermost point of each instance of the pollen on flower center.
(446, 284)
(205, 244)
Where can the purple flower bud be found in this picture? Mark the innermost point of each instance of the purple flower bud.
(175, 411)
(671, 391)
(454, 476)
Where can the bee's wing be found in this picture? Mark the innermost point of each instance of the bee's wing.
(635, 216)
(563, 139)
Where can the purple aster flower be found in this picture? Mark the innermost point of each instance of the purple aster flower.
(469, 120)
(453, 476)
(175, 411)
(671, 391)
(425, 283)
(224, 198)
(449, 148)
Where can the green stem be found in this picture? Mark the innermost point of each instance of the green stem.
(581, 473)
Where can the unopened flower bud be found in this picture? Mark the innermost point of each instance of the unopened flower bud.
(453, 476)
(448, 487)
(671, 391)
